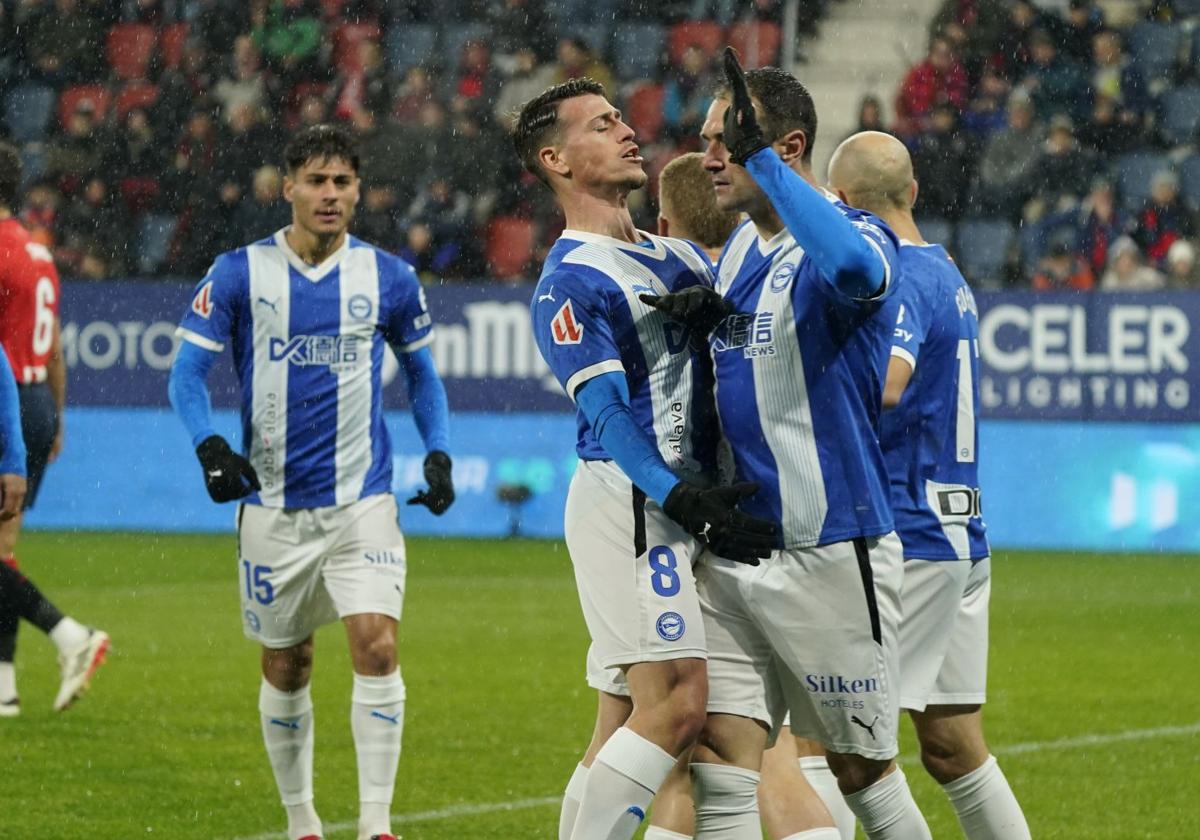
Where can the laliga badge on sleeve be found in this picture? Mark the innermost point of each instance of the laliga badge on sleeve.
(564, 327)
(202, 302)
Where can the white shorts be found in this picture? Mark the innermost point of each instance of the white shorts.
(812, 632)
(633, 569)
(608, 680)
(306, 567)
(944, 633)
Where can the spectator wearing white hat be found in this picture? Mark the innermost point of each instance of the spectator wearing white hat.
(1126, 273)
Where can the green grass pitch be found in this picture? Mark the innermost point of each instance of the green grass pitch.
(1094, 712)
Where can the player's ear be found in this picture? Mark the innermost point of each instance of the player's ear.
(912, 195)
(552, 161)
(841, 194)
(663, 227)
(287, 188)
(792, 146)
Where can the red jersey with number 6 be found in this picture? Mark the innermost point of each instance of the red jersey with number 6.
(29, 294)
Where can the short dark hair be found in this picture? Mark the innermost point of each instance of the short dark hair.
(784, 103)
(321, 142)
(11, 170)
(537, 121)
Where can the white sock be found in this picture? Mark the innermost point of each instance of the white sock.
(821, 779)
(69, 635)
(288, 734)
(8, 681)
(656, 833)
(726, 802)
(827, 833)
(986, 806)
(887, 811)
(570, 804)
(626, 774)
(377, 720)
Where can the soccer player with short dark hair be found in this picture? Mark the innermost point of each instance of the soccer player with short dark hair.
(29, 333)
(640, 506)
(307, 313)
(799, 341)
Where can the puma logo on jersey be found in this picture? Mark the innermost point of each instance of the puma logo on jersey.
(548, 296)
(870, 727)
(202, 303)
(273, 304)
(564, 327)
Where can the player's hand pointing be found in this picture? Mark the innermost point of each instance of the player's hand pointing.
(712, 515)
(440, 494)
(227, 475)
(743, 135)
(699, 308)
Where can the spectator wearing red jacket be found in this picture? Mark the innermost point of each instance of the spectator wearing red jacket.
(940, 78)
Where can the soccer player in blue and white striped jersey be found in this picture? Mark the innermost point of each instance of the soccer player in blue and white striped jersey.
(638, 510)
(930, 439)
(307, 313)
(800, 345)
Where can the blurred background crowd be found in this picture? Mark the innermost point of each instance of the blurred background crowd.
(1055, 143)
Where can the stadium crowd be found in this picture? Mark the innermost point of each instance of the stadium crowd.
(1059, 144)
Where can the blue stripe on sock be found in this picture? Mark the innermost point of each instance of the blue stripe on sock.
(637, 812)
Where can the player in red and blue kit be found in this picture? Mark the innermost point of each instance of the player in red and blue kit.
(29, 333)
(930, 440)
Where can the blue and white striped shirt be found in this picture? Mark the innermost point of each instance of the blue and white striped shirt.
(308, 346)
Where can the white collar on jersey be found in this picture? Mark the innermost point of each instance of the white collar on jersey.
(657, 249)
(912, 244)
(766, 246)
(312, 272)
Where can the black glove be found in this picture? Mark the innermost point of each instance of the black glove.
(698, 308)
(227, 475)
(712, 515)
(743, 135)
(440, 494)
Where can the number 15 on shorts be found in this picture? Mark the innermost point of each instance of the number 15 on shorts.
(258, 587)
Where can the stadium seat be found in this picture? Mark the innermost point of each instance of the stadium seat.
(455, 37)
(509, 247)
(134, 95)
(638, 49)
(982, 248)
(936, 229)
(33, 163)
(705, 34)
(171, 42)
(644, 111)
(72, 96)
(1155, 48)
(27, 110)
(130, 48)
(1189, 181)
(1181, 114)
(154, 233)
(757, 42)
(410, 45)
(1134, 172)
(346, 39)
